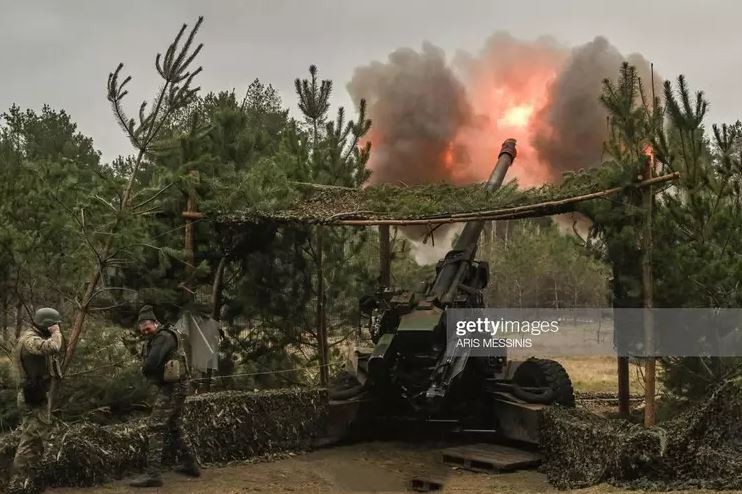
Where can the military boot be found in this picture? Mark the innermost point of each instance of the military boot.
(147, 480)
(189, 468)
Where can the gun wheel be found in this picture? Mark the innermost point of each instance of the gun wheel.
(536, 372)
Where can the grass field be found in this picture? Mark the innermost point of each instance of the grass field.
(599, 374)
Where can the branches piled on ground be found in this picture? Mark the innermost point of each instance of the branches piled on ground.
(226, 426)
(701, 448)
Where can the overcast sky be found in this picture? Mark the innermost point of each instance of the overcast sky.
(60, 52)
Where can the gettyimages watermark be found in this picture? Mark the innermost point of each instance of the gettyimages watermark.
(595, 332)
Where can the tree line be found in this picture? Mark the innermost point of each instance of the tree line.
(97, 240)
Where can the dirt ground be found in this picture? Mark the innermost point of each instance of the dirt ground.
(370, 467)
(377, 466)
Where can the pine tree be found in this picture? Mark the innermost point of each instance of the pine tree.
(116, 241)
(314, 100)
(50, 175)
(697, 219)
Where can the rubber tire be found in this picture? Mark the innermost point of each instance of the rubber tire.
(536, 372)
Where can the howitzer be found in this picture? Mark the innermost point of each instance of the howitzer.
(423, 375)
(452, 270)
(409, 373)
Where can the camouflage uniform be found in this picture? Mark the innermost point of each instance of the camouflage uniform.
(167, 418)
(167, 413)
(36, 363)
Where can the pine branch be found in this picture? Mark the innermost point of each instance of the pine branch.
(173, 71)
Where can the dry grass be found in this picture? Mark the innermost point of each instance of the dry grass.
(599, 374)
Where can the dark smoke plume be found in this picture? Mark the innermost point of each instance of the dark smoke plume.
(418, 106)
(571, 128)
(440, 122)
(434, 123)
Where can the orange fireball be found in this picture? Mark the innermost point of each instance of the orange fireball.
(508, 108)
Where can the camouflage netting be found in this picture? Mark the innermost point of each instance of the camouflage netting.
(225, 426)
(701, 448)
(309, 203)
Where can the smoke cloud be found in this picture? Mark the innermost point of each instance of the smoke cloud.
(571, 128)
(418, 106)
(435, 120)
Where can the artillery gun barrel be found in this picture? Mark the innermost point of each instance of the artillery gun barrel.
(447, 283)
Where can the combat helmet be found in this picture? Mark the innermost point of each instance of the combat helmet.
(46, 317)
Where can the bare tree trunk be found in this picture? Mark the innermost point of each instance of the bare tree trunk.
(385, 258)
(216, 305)
(621, 300)
(216, 290)
(6, 307)
(321, 320)
(18, 318)
(623, 386)
(174, 93)
(92, 284)
(82, 312)
(189, 242)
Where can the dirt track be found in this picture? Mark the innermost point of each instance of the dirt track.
(379, 467)
(371, 467)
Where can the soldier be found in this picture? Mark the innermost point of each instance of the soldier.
(35, 357)
(164, 363)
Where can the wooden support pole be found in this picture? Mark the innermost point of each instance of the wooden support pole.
(385, 257)
(623, 386)
(648, 291)
(322, 346)
(619, 325)
(648, 303)
(189, 241)
(519, 212)
(193, 215)
(216, 305)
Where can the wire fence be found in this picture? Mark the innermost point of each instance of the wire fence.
(217, 377)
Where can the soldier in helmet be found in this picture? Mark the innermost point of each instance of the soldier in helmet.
(36, 359)
(164, 362)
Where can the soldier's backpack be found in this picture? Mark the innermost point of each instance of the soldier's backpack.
(33, 374)
(178, 368)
